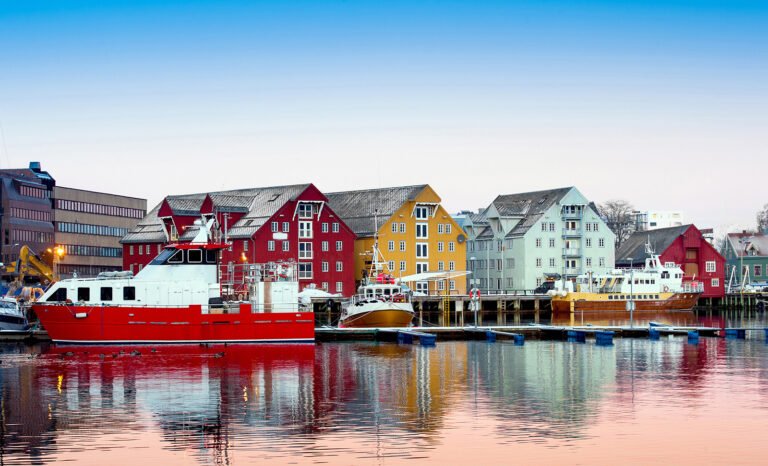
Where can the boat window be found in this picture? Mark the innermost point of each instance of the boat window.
(657, 296)
(387, 291)
(194, 256)
(83, 294)
(162, 257)
(378, 292)
(129, 293)
(106, 293)
(177, 257)
(58, 295)
(211, 256)
(610, 296)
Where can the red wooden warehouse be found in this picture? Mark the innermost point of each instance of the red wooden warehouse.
(686, 247)
(282, 223)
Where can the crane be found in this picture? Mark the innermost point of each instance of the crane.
(29, 263)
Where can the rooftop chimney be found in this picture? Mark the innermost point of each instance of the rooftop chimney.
(35, 167)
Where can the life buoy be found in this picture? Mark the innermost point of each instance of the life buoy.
(666, 289)
(398, 298)
(474, 294)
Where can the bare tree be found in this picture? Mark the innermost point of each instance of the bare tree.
(762, 219)
(618, 215)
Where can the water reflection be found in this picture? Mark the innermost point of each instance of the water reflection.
(350, 403)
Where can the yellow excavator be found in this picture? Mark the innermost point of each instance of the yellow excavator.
(29, 263)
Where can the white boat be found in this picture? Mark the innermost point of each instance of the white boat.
(12, 316)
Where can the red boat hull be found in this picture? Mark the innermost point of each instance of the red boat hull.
(138, 325)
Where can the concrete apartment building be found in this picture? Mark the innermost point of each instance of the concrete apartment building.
(521, 238)
(89, 225)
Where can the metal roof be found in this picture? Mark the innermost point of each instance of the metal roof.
(359, 209)
(756, 242)
(527, 206)
(659, 239)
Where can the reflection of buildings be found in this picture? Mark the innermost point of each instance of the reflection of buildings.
(296, 400)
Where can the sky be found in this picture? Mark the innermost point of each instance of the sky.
(661, 103)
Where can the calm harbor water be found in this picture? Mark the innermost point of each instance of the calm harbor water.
(636, 402)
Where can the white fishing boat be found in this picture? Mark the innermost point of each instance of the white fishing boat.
(12, 316)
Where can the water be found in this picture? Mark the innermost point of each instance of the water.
(636, 402)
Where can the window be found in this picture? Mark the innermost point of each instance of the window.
(130, 249)
(601, 262)
(551, 261)
(391, 266)
(335, 227)
(595, 226)
(394, 227)
(588, 242)
(324, 266)
(422, 267)
(83, 294)
(421, 250)
(448, 228)
(270, 245)
(402, 266)
(141, 250)
(452, 284)
(286, 246)
(538, 262)
(715, 283)
(339, 287)
(552, 226)
(195, 256)
(758, 270)
(670, 265)
(711, 266)
(589, 261)
(538, 242)
(106, 293)
(274, 227)
(305, 270)
(440, 285)
(543, 226)
(421, 212)
(402, 246)
(421, 230)
(440, 266)
(339, 266)
(601, 242)
(324, 227)
(285, 227)
(440, 246)
(305, 250)
(390, 245)
(324, 246)
(245, 245)
(451, 246)
(440, 227)
(451, 265)
(588, 227)
(339, 245)
(129, 293)
(402, 228)
(305, 229)
(305, 210)
(551, 242)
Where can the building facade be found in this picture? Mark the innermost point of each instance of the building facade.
(746, 255)
(415, 234)
(522, 238)
(26, 211)
(88, 226)
(282, 223)
(684, 246)
(655, 219)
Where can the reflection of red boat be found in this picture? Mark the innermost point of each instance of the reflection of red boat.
(177, 299)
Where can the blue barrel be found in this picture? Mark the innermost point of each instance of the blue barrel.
(520, 339)
(577, 336)
(693, 337)
(735, 333)
(654, 334)
(490, 336)
(604, 338)
(427, 340)
(404, 338)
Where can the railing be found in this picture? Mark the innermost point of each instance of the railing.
(572, 251)
(693, 287)
(571, 215)
(571, 233)
(572, 271)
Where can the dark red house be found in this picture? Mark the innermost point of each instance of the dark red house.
(282, 223)
(686, 247)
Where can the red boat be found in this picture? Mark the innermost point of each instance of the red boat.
(177, 298)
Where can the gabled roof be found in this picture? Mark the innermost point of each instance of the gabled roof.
(756, 242)
(527, 206)
(258, 204)
(359, 209)
(659, 240)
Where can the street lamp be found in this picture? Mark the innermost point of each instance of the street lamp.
(631, 302)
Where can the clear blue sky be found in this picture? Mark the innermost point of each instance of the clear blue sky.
(662, 103)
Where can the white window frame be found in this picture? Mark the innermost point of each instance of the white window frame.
(324, 246)
(538, 262)
(402, 246)
(271, 245)
(305, 230)
(440, 246)
(422, 250)
(440, 227)
(286, 227)
(403, 266)
(448, 228)
(306, 273)
(601, 242)
(538, 242)
(285, 246)
(402, 228)
(421, 212)
(390, 246)
(715, 283)
(339, 287)
(305, 250)
(422, 231)
(274, 227)
(324, 227)
(324, 266)
(302, 210)
(451, 266)
(339, 245)
(451, 246)
(339, 266)
(394, 227)
(710, 266)
(335, 227)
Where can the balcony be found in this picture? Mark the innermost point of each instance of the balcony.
(571, 252)
(571, 215)
(572, 233)
(572, 270)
